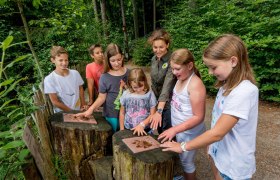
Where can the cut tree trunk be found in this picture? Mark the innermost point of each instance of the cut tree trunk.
(148, 165)
(77, 143)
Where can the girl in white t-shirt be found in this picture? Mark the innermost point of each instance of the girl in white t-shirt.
(187, 106)
(232, 137)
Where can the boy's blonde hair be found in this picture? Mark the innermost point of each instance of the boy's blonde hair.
(182, 57)
(223, 48)
(137, 76)
(57, 51)
(111, 50)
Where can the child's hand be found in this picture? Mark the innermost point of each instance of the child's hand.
(139, 130)
(167, 135)
(171, 146)
(86, 114)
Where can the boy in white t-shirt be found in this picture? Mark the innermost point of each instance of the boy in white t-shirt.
(64, 86)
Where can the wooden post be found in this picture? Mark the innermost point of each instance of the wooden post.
(41, 150)
(78, 143)
(149, 165)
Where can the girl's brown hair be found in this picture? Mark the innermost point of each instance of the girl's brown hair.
(57, 51)
(137, 76)
(183, 57)
(159, 34)
(111, 50)
(223, 48)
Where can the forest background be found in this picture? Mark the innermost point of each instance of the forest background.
(28, 29)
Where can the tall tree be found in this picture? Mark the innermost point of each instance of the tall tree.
(135, 19)
(27, 33)
(96, 16)
(154, 14)
(144, 19)
(104, 18)
(124, 30)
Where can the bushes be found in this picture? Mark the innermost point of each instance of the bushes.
(141, 52)
(195, 24)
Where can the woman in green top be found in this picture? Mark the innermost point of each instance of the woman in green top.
(163, 80)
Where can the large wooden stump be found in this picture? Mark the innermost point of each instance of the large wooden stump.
(77, 143)
(149, 165)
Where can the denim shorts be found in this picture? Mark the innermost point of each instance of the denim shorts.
(225, 177)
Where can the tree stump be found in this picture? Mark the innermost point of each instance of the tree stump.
(148, 165)
(102, 168)
(76, 143)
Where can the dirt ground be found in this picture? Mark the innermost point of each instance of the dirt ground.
(267, 146)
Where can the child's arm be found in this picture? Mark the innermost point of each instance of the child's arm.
(97, 103)
(90, 83)
(57, 103)
(224, 124)
(197, 94)
(140, 128)
(121, 117)
(82, 97)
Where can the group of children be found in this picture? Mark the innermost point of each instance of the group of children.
(174, 103)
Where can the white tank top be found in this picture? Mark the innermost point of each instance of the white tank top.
(181, 109)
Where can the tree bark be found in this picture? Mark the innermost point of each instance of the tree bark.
(144, 19)
(104, 19)
(135, 19)
(96, 16)
(78, 143)
(124, 30)
(154, 14)
(36, 60)
(149, 165)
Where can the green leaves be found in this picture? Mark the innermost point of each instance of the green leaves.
(6, 43)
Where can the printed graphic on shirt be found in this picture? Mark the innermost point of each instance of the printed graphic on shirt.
(137, 112)
(175, 102)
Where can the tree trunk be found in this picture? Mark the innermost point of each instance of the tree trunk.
(36, 60)
(144, 19)
(135, 19)
(149, 165)
(154, 14)
(96, 17)
(104, 19)
(79, 143)
(124, 30)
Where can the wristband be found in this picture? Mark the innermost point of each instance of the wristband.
(142, 124)
(183, 146)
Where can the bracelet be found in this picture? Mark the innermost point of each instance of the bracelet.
(183, 146)
(142, 124)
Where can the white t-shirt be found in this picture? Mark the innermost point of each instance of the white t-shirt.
(66, 88)
(234, 155)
